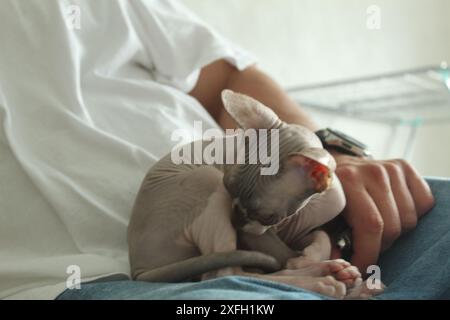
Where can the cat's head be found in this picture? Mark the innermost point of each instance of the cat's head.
(305, 168)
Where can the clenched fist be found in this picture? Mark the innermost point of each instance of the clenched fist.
(384, 200)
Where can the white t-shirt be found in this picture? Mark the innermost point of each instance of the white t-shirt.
(90, 93)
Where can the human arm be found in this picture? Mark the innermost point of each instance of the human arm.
(251, 81)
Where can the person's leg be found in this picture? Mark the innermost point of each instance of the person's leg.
(417, 266)
(224, 288)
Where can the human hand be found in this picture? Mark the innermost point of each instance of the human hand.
(384, 200)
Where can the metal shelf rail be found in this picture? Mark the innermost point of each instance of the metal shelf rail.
(413, 98)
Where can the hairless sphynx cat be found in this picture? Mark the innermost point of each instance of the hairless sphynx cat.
(197, 221)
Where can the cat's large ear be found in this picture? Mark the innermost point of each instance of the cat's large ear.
(248, 112)
(318, 164)
(319, 155)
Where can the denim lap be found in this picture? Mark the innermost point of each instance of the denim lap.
(416, 267)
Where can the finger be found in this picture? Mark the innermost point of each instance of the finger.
(403, 198)
(418, 187)
(363, 216)
(379, 188)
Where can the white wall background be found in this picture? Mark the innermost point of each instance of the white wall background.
(311, 41)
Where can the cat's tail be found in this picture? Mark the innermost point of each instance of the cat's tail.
(189, 268)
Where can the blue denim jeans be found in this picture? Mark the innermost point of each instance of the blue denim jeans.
(416, 267)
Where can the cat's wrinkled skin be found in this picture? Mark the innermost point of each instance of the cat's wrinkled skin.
(189, 220)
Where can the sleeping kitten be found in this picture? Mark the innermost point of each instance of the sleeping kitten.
(189, 220)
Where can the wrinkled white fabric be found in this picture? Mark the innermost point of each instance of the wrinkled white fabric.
(84, 113)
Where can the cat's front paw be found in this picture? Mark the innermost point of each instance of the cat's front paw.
(340, 269)
(345, 272)
(363, 290)
(329, 286)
